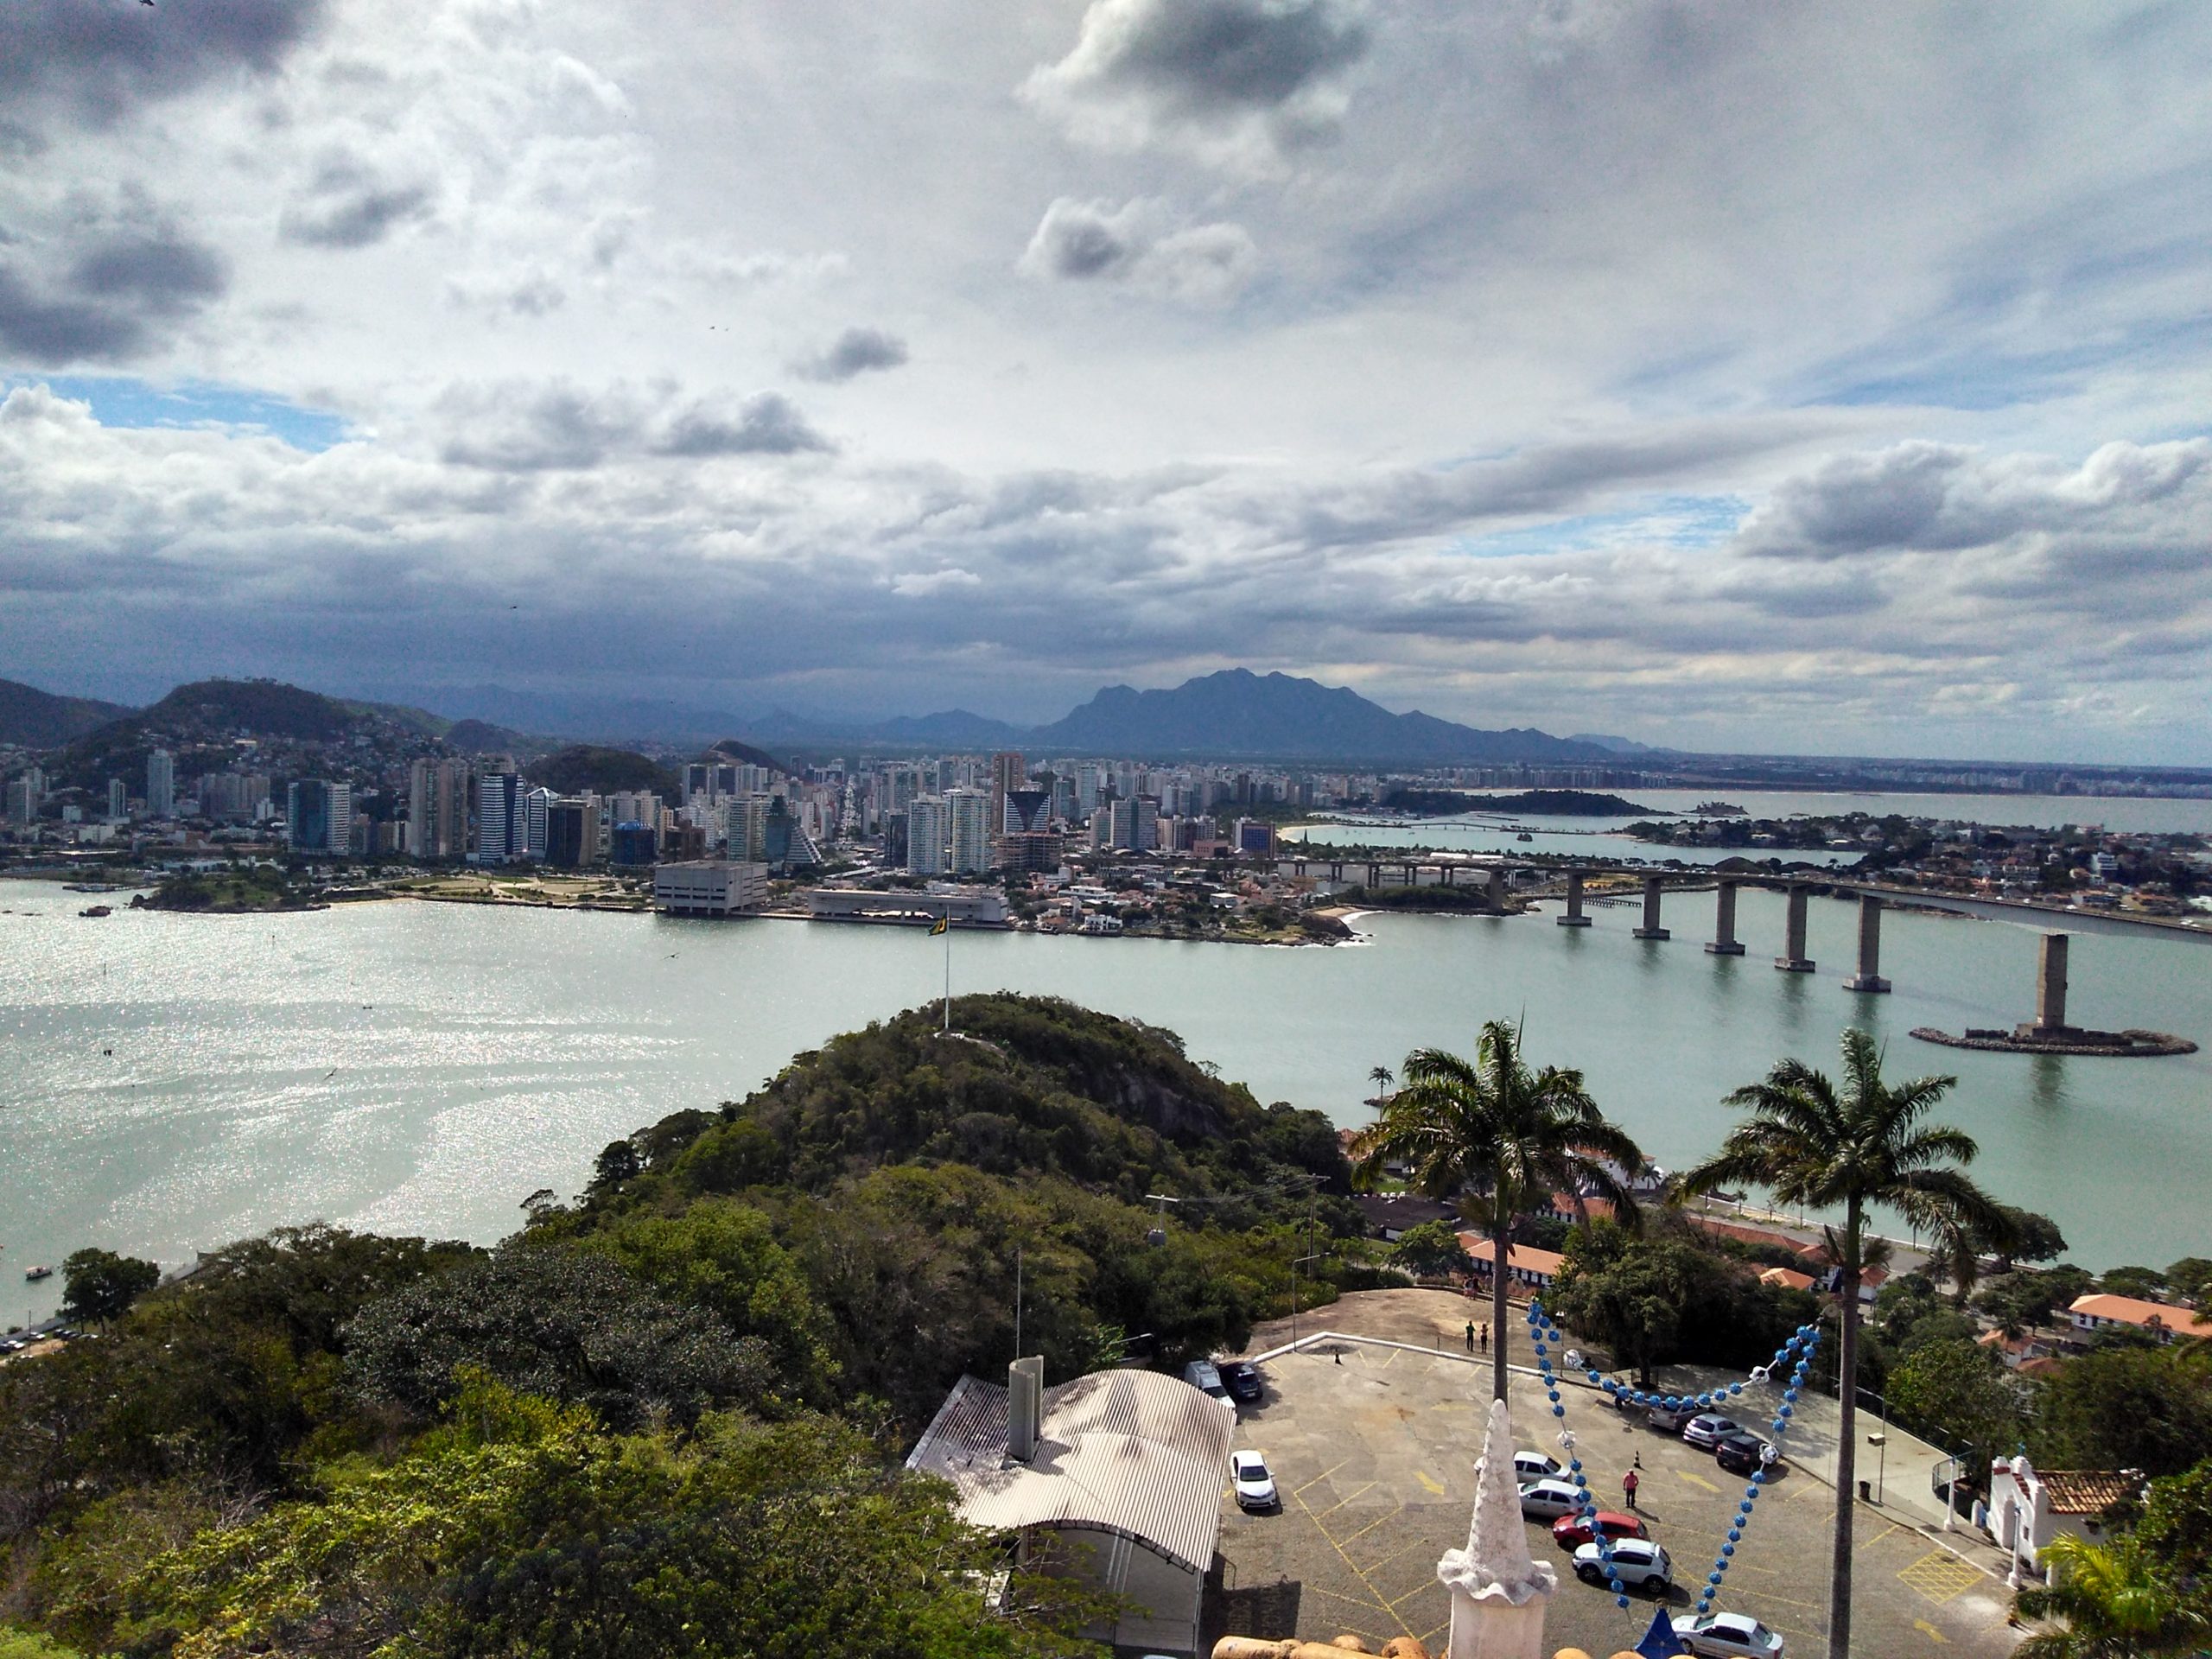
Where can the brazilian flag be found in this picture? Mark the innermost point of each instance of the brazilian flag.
(942, 925)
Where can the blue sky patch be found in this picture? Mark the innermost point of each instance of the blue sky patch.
(126, 401)
(1670, 520)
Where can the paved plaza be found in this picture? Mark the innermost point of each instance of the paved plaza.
(1373, 1448)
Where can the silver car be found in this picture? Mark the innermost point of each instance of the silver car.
(1547, 1500)
(1708, 1429)
(1641, 1565)
(1728, 1636)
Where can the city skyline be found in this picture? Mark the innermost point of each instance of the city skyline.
(1732, 379)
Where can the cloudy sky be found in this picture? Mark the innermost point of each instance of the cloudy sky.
(1773, 375)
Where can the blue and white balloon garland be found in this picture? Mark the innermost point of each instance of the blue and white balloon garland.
(1796, 1353)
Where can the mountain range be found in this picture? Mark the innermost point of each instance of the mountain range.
(1231, 714)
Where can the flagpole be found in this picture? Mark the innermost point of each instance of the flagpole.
(948, 971)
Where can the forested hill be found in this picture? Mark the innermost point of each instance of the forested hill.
(1023, 1086)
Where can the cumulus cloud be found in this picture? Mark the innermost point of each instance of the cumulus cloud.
(767, 423)
(97, 61)
(106, 288)
(1233, 76)
(855, 351)
(519, 427)
(1139, 245)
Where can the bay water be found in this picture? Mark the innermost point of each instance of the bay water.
(169, 1082)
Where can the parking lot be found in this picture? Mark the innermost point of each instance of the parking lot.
(1373, 1449)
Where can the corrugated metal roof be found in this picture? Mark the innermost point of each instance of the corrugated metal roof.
(1131, 1452)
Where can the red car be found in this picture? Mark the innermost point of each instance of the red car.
(1572, 1531)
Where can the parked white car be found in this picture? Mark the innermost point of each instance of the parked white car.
(1708, 1429)
(1641, 1564)
(1728, 1636)
(1547, 1500)
(1534, 1466)
(1254, 1486)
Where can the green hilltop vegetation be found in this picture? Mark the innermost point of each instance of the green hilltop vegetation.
(1547, 802)
(667, 1416)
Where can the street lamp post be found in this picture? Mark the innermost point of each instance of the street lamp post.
(1881, 1445)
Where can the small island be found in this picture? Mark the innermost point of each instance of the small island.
(1543, 802)
(250, 889)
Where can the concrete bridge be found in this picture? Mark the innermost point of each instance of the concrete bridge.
(1496, 876)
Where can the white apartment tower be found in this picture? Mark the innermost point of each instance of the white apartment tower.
(929, 835)
(971, 829)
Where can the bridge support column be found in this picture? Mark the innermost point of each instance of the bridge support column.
(1792, 959)
(1869, 977)
(1498, 886)
(1574, 918)
(2050, 984)
(1651, 930)
(1724, 941)
(1374, 875)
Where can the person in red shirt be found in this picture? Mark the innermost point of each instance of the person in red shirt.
(1630, 1482)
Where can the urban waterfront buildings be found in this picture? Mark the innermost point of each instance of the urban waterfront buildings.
(969, 828)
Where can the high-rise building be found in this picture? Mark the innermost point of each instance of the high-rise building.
(929, 835)
(1134, 825)
(1009, 771)
(537, 821)
(118, 801)
(319, 816)
(971, 832)
(572, 840)
(745, 827)
(161, 785)
(26, 794)
(502, 833)
(1028, 810)
(440, 794)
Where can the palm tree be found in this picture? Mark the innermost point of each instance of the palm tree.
(1380, 1077)
(2116, 1603)
(1499, 1140)
(1809, 1144)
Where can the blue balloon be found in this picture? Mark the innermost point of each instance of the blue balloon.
(1751, 1494)
(1554, 1395)
(1727, 1549)
(1595, 1376)
(1760, 1479)
(1735, 1534)
(1712, 1577)
(1620, 1601)
(1581, 1480)
(1574, 1463)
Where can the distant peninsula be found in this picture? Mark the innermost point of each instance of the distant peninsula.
(1545, 803)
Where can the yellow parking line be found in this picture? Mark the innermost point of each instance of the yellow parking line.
(1356, 1491)
(1319, 1478)
(1929, 1631)
(1387, 1514)
(1430, 1481)
(1698, 1480)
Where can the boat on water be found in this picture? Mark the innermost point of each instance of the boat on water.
(34, 1275)
(97, 910)
(1524, 836)
(88, 887)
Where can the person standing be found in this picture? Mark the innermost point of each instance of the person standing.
(1485, 1338)
(1470, 1336)
(1630, 1482)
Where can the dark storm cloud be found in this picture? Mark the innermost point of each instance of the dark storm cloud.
(1200, 57)
(768, 424)
(117, 291)
(97, 59)
(855, 351)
